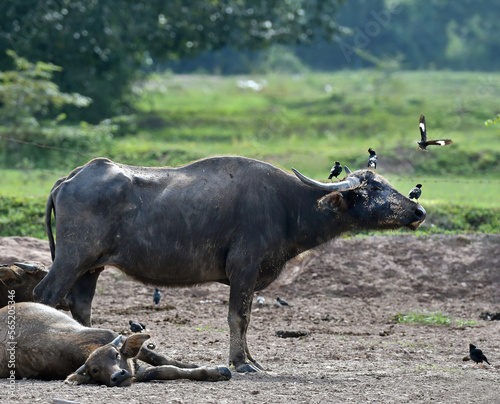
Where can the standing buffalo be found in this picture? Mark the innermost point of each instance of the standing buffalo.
(39, 342)
(232, 220)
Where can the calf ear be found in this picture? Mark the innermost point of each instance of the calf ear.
(333, 201)
(79, 377)
(133, 344)
(9, 275)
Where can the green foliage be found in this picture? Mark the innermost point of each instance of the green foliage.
(21, 216)
(416, 317)
(103, 46)
(31, 131)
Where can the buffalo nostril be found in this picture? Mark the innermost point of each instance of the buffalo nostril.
(122, 373)
(420, 212)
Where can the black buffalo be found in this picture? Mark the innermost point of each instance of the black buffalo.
(232, 220)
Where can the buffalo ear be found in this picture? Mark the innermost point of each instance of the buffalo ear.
(334, 201)
(79, 376)
(133, 344)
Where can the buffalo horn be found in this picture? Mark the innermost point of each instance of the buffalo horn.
(345, 185)
(347, 171)
(117, 340)
(80, 370)
(28, 267)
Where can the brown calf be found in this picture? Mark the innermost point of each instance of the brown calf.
(39, 342)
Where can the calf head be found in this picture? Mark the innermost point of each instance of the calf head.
(110, 364)
(22, 277)
(366, 200)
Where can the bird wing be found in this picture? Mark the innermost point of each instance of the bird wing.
(423, 128)
(442, 142)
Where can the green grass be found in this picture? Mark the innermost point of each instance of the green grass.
(416, 317)
(298, 121)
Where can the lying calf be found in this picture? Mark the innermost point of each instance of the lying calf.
(39, 342)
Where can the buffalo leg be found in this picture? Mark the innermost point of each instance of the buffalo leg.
(240, 304)
(63, 274)
(80, 296)
(168, 372)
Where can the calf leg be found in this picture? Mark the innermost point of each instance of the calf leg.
(168, 372)
(155, 359)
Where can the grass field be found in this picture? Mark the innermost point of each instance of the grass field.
(311, 120)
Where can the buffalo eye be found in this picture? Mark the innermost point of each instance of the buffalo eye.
(95, 370)
(117, 355)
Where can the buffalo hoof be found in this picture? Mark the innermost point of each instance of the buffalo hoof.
(225, 373)
(247, 368)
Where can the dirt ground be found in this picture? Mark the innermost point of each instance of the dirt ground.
(345, 295)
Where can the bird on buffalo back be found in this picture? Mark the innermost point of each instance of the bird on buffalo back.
(477, 355)
(335, 171)
(423, 143)
(372, 160)
(415, 192)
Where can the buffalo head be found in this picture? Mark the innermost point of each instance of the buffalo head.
(366, 200)
(111, 364)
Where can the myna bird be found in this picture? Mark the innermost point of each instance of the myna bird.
(335, 171)
(281, 302)
(477, 356)
(422, 145)
(157, 297)
(135, 326)
(415, 192)
(372, 160)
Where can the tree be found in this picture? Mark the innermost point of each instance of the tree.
(31, 123)
(102, 46)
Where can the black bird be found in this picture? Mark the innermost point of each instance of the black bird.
(335, 171)
(415, 192)
(157, 297)
(477, 355)
(135, 326)
(372, 160)
(281, 302)
(422, 145)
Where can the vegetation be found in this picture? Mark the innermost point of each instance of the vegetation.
(103, 47)
(430, 319)
(305, 121)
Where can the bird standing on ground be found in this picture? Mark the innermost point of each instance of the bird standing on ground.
(422, 145)
(372, 160)
(477, 356)
(135, 326)
(335, 171)
(281, 302)
(157, 297)
(415, 192)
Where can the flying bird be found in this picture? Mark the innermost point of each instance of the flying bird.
(281, 302)
(335, 171)
(157, 297)
(477, 356)
(422, 145)
(135, 326)
(372, 160)
(416, 192)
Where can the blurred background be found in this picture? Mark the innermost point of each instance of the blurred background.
(294, 83)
